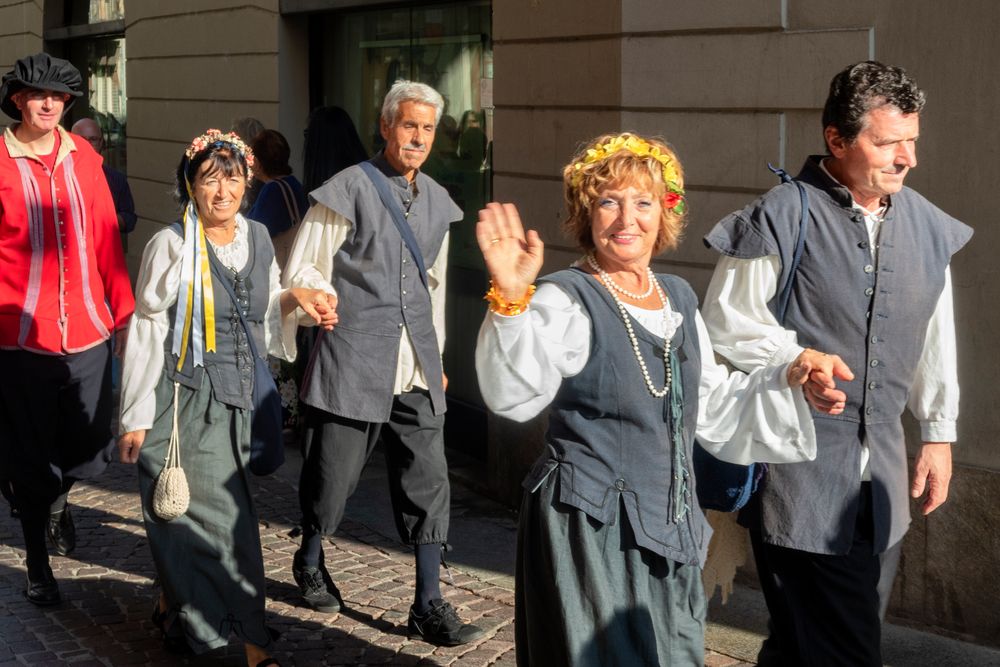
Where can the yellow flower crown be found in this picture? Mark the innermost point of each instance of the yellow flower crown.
(213, 136)
(673, 200)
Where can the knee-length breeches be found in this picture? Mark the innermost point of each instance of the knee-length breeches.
(335, 453)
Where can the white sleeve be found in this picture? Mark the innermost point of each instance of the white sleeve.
(743, 329)
(934, 394)
(279, 332)
(755, 418)
(310, 260)
(155, 291)
(521, 360)
(437, 276)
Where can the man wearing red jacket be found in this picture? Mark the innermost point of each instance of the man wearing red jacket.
(64, 292)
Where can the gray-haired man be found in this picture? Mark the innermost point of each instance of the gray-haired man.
(378, 375)
(873, 287)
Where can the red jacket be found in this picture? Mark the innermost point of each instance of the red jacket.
(63, 283)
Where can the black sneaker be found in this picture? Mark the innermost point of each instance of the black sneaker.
(442, 626)
(317, 588)
(42, 588)
(62, 532)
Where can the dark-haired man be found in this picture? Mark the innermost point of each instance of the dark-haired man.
(874, 287)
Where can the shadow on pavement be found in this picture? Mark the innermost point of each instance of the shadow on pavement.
(108, 586)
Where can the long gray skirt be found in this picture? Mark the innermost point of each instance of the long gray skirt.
(586, 594)
(209, 560)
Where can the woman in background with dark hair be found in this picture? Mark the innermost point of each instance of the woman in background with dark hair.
(282, 201)
(199, 383)
(332, 145)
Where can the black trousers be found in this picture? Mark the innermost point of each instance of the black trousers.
(336, 450)
(55, 422)
(825, 609)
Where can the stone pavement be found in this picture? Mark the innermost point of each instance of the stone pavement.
(108, 584)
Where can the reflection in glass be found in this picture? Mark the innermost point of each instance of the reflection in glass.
(101, 60)
(106, 10)
(446, 46)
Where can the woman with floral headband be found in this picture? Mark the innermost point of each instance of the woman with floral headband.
(187, 349)
(612, 540)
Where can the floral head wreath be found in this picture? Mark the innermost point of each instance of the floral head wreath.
(212, 137)
(194, 321)
(673, 198)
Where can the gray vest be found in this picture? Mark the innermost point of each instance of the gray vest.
(875, 317)
(230, 367)
(353, 368)
(610, 440)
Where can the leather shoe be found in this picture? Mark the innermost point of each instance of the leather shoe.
(42, 588)
(62, 532)
(316, 586)
(441, 625)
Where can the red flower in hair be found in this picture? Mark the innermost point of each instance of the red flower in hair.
(671, 199)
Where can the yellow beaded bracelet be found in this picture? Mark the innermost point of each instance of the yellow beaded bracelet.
(502, 306)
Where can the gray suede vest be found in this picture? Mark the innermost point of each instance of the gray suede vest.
(353, 368)
(230, 368)
(875, 317)
(610, 440)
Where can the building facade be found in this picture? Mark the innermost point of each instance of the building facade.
(731, 84)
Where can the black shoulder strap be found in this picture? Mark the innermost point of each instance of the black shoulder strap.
(800, 243)
(381, 184)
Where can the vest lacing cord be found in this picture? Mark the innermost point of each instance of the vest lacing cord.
(680, 492)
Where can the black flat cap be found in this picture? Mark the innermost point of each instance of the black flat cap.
(42, 72)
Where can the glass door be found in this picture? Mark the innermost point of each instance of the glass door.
(355, 58)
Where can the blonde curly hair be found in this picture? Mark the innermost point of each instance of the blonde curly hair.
(623, 160)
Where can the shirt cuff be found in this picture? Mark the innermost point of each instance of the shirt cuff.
(787, 354)
(502, 320)
(943, 430)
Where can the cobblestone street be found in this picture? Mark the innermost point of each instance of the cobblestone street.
(108, 590)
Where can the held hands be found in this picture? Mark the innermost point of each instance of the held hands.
(513, 257)
(319, 305)
(129, 445)
(817, 373)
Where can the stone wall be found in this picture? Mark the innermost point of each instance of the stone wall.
(20, 32)
(192, 64)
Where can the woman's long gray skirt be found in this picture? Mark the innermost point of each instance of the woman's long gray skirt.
(587, 595)
(209, 560)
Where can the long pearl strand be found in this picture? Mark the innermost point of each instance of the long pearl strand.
(615, 286)
(654, 285)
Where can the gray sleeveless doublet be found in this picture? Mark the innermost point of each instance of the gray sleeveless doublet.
(874, 315)
(610, 440)
(230, 368)
(353, 368)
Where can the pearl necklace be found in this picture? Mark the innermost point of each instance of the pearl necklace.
(613, 285)
(654, 284)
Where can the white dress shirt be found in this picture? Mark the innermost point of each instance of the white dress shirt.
(155, 291)
(310, 264)
(522, 360)
(745, 332)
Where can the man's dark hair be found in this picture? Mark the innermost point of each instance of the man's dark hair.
(272, 153)
(332, 144)
(865, 86)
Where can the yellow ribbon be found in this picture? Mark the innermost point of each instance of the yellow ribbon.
(208, 293)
